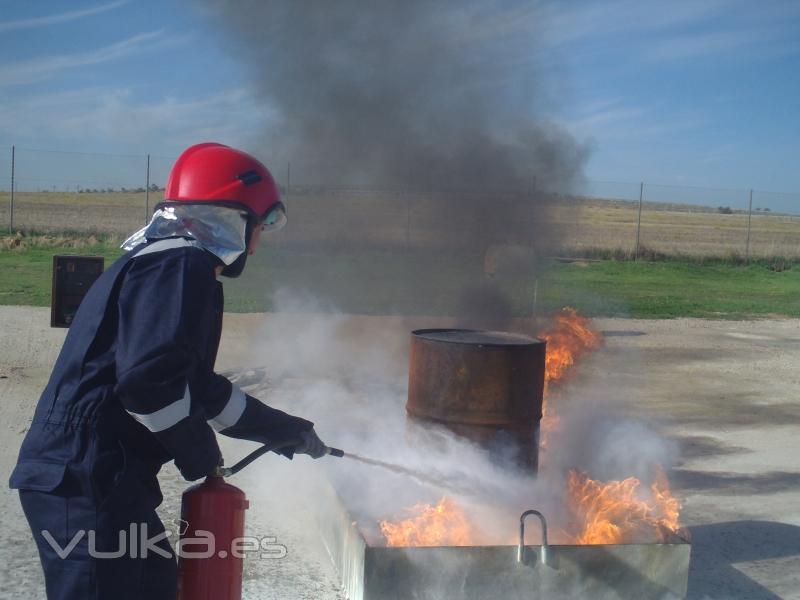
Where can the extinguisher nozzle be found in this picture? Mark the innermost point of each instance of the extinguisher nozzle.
(335, 452)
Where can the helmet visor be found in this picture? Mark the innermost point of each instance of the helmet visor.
(275, 219)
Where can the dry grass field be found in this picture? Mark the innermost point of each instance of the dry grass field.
(603, 226)
(116, 212)
(395, 220)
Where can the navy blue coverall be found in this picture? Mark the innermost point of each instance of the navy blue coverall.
(133, 388)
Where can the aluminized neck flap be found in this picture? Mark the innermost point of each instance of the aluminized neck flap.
(218, 229)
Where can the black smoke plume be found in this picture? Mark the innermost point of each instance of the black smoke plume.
(388, 92)
(443, 97)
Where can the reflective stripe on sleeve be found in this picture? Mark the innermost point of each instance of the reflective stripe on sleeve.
(166, 417)
(232, 412)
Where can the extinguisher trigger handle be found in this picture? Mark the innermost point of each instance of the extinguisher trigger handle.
(222, 471)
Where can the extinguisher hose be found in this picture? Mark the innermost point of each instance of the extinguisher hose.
(228, 471)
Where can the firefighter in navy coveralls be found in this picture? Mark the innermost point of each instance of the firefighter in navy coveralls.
(134, 385)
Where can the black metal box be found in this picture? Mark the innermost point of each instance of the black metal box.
(72, 278)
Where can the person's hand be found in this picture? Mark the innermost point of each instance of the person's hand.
(311, 445)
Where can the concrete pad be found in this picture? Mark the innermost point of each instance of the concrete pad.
(725, 391)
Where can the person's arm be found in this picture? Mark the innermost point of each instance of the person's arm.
(245, 417)
(166, 313)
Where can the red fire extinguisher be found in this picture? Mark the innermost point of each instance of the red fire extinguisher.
(212, 514)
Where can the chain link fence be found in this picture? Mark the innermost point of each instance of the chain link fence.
(57, 191)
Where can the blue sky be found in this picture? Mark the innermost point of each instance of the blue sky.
(704, 92)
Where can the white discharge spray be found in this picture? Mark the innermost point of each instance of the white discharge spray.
(349, 375)
(460, 485)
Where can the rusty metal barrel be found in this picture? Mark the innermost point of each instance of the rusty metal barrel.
(486, 386)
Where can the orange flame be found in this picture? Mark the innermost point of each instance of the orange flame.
(442, 525)
(618, 512)
(567, 338)
(613, 512)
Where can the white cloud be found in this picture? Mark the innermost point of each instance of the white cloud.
(615, 120)
(121, 125)
(561, 23)
(38, 69)
(678, 30)
(60, 17)
(681, 47)
(602, 114)
(97, 117)
(572, 22)
(609, 115)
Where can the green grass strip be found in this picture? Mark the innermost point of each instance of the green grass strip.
(672, 289)
(388, 283)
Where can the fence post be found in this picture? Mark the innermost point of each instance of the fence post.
(749, 219)
(532, 212)
(11, 212)
(408, 222)
(286, 199)
(639, 221)
(147, 194)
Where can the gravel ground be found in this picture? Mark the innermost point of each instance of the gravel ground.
(726, 392)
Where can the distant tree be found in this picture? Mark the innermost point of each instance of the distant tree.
(725, 210)
(153, 187)
(767, 210)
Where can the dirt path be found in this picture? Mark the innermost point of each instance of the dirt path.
(725, 392)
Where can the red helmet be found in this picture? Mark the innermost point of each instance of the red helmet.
(224, 176)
